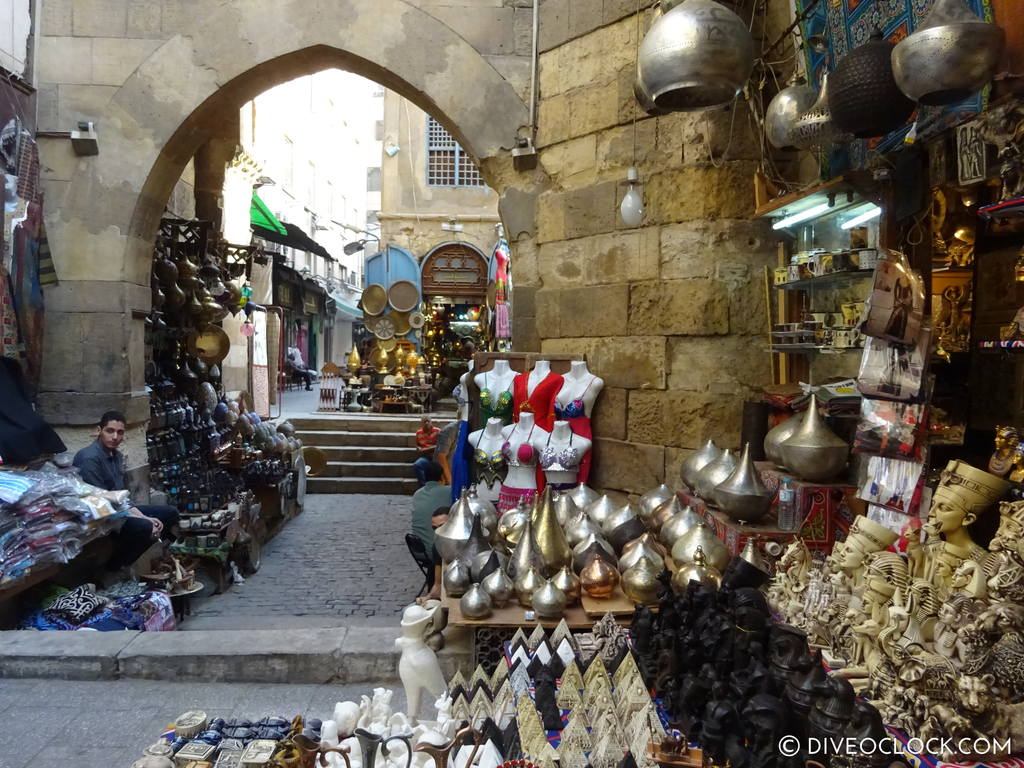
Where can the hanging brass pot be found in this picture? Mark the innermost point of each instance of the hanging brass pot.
(711, 546)
(569, 583)
(549, 601)
(640, 582)
(815, 127)
(863, 97)
(813, 451)
(526, 584)
(742, 495)
(950, 55)
(599, 579)
(696, 461)
(452, 535)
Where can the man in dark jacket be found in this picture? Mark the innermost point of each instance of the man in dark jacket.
(102, 464)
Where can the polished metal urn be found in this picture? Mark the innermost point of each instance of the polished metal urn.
(863, 97)
(696, 461)
(549, 601)
(653, 499)
(776, 436)
(714, 473)
(499, 586)
(476, 603)
(813, 451)
(949, 56)
(784, 110)
(742, 496)
(815, 127)
(678, 526)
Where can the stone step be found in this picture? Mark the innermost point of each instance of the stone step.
(324, 438)
(377, 453)
(401, 486)
(350, 654)
(368, 469)
(349, 423)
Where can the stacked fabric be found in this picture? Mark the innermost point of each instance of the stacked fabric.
(104, 611)
(46, 516)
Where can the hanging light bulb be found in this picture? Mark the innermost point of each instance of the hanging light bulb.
(632, 207)
(248, 329)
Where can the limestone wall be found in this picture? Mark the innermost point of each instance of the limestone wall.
(672, 315)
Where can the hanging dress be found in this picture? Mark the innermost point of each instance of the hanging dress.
(579, 422)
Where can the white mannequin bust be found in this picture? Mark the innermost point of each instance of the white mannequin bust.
(540, 371)
(498, 379)
(463, 413)
(524, 432)
(580, 384)
(561, 438)
(489, 440)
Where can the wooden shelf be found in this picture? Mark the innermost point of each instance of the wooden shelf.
(856, 184)
(823, 281)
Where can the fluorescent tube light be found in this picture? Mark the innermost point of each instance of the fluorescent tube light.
(873, 212)
(796, 218)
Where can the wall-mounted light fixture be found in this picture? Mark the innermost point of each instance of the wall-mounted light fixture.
(85, 140)
(632, 207)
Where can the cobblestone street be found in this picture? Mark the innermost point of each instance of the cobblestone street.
(73, 724)
(342, 561)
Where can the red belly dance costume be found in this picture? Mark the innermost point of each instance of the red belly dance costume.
(540, 402)
(579, 422)
(523, 456)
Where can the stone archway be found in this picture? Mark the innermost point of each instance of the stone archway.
(102, 223)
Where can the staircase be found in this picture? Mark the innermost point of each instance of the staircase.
(366, 453)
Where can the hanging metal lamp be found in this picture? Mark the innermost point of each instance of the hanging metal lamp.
(815, 127)
(863, 96)
(785, 109)
(949, 56)
(697, 56)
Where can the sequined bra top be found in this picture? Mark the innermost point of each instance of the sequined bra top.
(492, 407)
(524, 455)
(576, 408)
(565, 460)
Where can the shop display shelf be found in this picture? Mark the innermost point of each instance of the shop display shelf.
(810, 349)
(824, 281)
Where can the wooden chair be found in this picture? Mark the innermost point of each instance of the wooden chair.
(423, 560)
(331, 385)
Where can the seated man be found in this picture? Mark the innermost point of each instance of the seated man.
(296, 366)
(430, 506)
(102, 465)
(426, 444)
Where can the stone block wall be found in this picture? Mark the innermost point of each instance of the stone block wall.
(672, 315)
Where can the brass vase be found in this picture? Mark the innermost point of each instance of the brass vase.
(678, 526)
(665, 512)
(776, 436)
(569, 583)
(625, 533)
(499, 586)
(696, 461)
(813, 451)
(510, 528)
(645, 547)
(549, 602)
(653, 499)
(621, 515)
(486, 511)
(565, 508)
(453, 534)
(475, 545)
(548, 537)
(591, 547)
(476, 603)
(715, 472)
(527, 583)
(599, 578)
(698, 571)
(742, 495)
(640, 582)
(815, 127)
(710, 545)
(455, 578)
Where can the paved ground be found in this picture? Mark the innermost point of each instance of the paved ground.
(67, 724)
(343, 561)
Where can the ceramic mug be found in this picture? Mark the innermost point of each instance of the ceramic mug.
(845, 338)
(817, 317)
(853, 312)
(835, 319)
(794, 273)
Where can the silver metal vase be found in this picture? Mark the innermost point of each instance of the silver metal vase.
(678, 526)
(813, 451)
(784, 110)
(949, 56)
(524, 556)
(549, 601)
(703, 538)
(714, 473)
(565, 508)
(476, 603)
(742, 495)
(487, 513)
(499, 586)
(579, 528)
(601, 509)
(584, 495)
(776, 436)
(452, 536)
(653, 499)
(696, 461)
(815, 127)
(455, 578)
(698, 55)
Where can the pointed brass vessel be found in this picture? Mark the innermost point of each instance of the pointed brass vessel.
(526, 585)
(599, 578)
(698, 571)
(499, 586)
(742, 495)
(601, 509)
(549, 601)
(581, 526)
(678, 526)
(640, 582)
(814, 451)
(776, 436)
(569, 583)
(510, 527)
(476, 603)
(644, 547)
(653, 499)
(524, 556)
(452, 536)
(696, 461)
(548, 537)
(583, 495)
(565, 508)
(455, 578)
(710, 545)
(715, 472)
(665, 512)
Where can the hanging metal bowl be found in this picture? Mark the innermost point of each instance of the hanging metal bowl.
(403, 296)
(949, 56)
(785, 109)
(374, 299)
(698, 55)
(863, 97)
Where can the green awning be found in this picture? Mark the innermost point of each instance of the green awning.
(260, 216)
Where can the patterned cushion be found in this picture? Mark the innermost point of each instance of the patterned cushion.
(76, 606)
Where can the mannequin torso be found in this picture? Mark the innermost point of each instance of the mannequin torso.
(579, 392)
(562, 454)
(540, 371)
(496, 391)
(488, 460)
(522, 463)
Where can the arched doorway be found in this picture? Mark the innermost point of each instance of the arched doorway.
(102, 223)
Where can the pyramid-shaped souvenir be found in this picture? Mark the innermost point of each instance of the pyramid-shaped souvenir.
(565, 650)
(630, 697)
(529, 718)
(518, 654)
(503, 706)
(543, 650)
(457, 681)
(638, 734)
(536, 637)
(626, 668)
(478, 674)
(575, 731)
(492, 733)
(572, 677)
(513, 745)
(605, 723)
(595, 673)
(519, 636)
(570, 754)
(500, 674)
(460, 710)
(479, 707)
(544, 755)
(561, 632)
(598, 700)
(605, 754)
(569, 698)
(480, 687)
(519, 679)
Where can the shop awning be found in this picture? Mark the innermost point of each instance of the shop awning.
(260, 216)
(292, 236)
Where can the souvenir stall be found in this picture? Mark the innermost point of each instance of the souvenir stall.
(227, 471)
